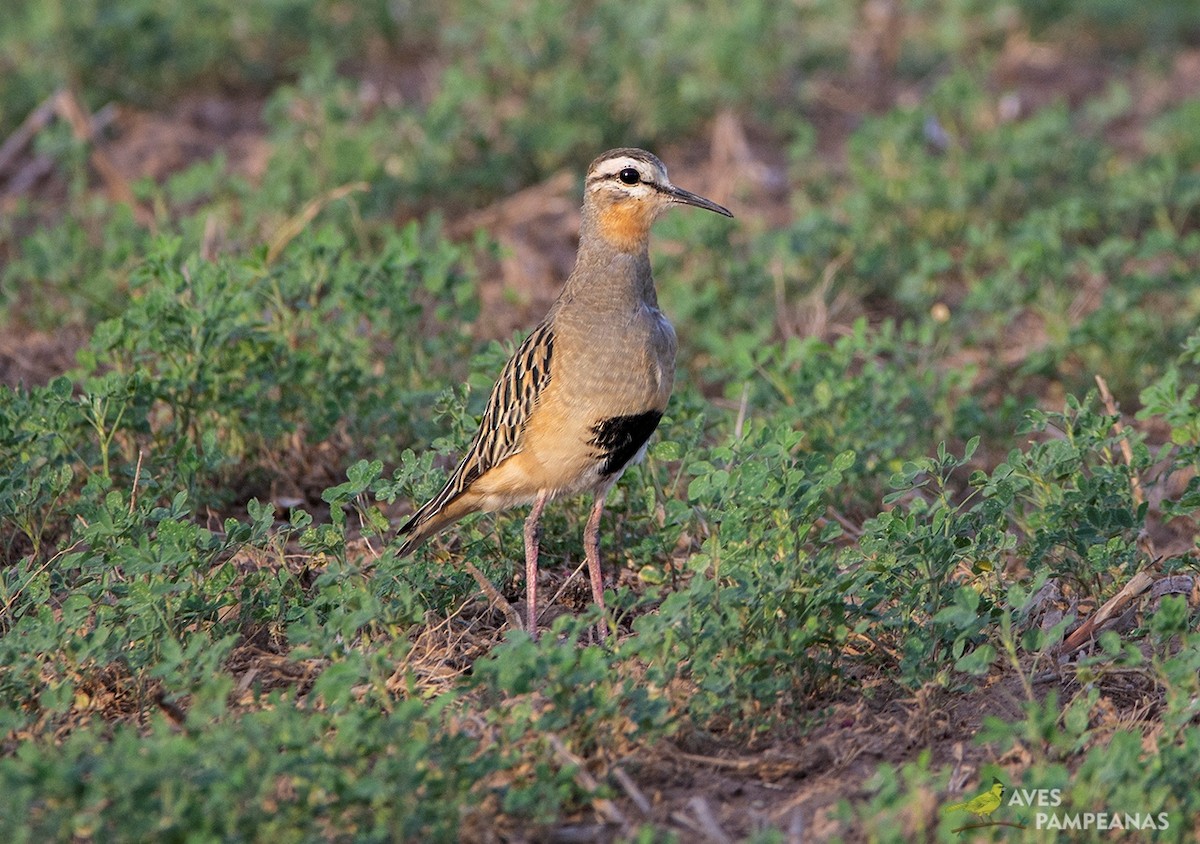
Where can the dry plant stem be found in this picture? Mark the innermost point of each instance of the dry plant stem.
(733, 166)
(1009, 644)
(366, 539)
(867, 637)
(987, 824)
(686, 820)
(33, 575)
(740, 425)
(570, 579)
(1145, 542)
(1141, 581)
(137, 475)
(83, 127)
(708, 821)
(603, 806)
(745, 764)
(293, 226)
(524, 207)
(493, 595)
(405, 665)
(852, 530)
(24, 134)
(1139, 497)
(64, 105)
(631, 789)
(23, 181)
(794, 831)
(1137, 584)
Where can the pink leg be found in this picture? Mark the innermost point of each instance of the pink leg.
(532, 534)
(591, 550)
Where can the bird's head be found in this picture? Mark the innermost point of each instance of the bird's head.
(997, 787)
(626, 189)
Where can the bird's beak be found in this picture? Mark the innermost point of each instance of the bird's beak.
(686, 197)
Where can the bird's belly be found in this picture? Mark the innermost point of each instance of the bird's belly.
(558, 462)
(565, 454)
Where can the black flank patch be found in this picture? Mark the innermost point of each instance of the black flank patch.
(620, 438)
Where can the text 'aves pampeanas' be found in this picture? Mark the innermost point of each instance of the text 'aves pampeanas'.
(576, 404)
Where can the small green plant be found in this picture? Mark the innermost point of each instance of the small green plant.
(1074, 497)
(932, 565)
(760, 623)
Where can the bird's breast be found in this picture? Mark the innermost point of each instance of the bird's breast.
(609, 385)
(617, 370)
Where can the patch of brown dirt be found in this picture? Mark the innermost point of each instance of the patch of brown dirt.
(722, 792)
(32, 358)
(156, 145)
(1034, 75)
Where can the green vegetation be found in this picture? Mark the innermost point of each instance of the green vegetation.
(887, 480)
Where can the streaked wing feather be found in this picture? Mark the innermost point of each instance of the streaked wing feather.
(509, 407)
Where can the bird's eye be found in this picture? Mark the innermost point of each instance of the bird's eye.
(629, 176)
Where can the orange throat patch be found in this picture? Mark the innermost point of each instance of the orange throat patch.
(626, 225)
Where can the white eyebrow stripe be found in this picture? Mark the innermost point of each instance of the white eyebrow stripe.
(615, 165)
(611, 167)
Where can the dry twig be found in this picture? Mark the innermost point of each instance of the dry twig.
(1138, 584)
(1141, 581)
(85, 127)
(603, 806)
(1139, 497)
(37, 120)
(631, 789)
(494, 596)
(295, 224)
(708, 821)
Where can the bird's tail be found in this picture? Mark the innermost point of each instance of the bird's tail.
(953, 807)
(438, 513)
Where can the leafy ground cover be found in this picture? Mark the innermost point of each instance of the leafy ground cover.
(923, 511)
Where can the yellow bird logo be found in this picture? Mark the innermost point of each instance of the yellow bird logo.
(980, 805)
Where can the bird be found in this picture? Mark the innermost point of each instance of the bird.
(981, 805)
(575, 405)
